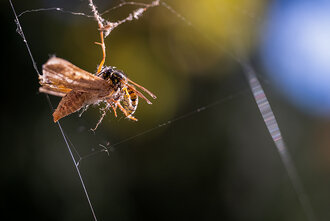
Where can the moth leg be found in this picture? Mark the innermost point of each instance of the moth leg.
(125, 112)
(104, 110)
(103, 51)
(83, 109)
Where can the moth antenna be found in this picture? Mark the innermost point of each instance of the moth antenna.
(144, 89)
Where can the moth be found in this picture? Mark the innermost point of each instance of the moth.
(79, 88)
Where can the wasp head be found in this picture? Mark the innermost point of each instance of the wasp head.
(116, 77)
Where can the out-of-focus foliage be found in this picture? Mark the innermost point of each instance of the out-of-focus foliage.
(214, 159)
(296, 53)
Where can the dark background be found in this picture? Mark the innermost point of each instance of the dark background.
(217, 163)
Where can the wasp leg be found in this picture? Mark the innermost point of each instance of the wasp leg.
(125, 112)
(126, 91)
(114, 107)
(113, 104)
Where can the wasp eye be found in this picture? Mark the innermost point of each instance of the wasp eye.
(106, 73)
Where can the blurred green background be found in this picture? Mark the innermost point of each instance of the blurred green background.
(216, 164)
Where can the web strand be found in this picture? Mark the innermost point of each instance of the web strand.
(20, 31)
(181, 117)
(76, 164)
(274, 130)
(55, 9)
(268, 117)
(254, 84)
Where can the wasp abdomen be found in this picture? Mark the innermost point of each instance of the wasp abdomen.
(130, 101)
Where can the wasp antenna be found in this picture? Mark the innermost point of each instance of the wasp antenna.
(144, 89)
(140, 95)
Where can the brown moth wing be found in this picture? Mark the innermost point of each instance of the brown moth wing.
(72, 102)
(60, 75)
(53, 90)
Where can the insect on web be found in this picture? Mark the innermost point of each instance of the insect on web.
(108, 27)
(256, 89)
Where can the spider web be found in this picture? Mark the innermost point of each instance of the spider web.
(109, 147)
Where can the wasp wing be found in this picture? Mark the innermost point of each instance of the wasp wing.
(60, 76)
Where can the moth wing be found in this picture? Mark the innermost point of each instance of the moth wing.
(60, 75)
(54, 90)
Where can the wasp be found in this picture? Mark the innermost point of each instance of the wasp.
(79, 88)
